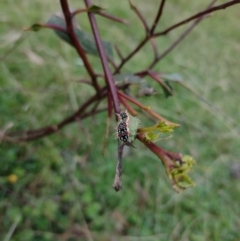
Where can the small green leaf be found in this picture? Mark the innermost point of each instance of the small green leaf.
(127, 78)
(133, 125)
(172, 77)
(86, 40)
(35, 27)
(132, 6)
(94, 9)
(152, 136)
(179, 173)
(166, 90)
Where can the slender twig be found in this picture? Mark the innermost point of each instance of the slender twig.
(80, 10)
(127, 106)
(159, 81)
(108, 74)
(179, 39)
(146, 108)
(43, 132)
(103, 14)
(117, 184)
(71, 33)
(113, 18)
(54, 27)
(84, 81)
(147, 29)
(198, 15)
(111, 61)
(159, 14)
(154, 47)
(125, 60)
(140, 16)
(141, 44)
(38, 133)
(118, 52)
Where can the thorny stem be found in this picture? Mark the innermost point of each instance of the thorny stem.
(108, 74)
(71, 33)
(198, 15)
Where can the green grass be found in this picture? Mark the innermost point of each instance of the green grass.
(63, 191)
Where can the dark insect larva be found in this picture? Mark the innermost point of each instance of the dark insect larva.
(122, 131)
(123, 116)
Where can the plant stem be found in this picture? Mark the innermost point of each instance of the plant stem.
(71, 33)
(198, 15)
(179, 39)
(108, 74)
(159, 14)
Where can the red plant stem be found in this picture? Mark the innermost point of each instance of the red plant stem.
(54, 27)
(154, 47)
(134, 101)
(147, 38)
(155, 77)
(118, 52)
(143, 21)
(158, 151)
(45, 131)
(108, 74)
(159, 14)
(153, 147)
(127, 106)
(125, 60)
(143, 42)
(179, 39)
(101, 13)
(113, 18)
(198, 15)
(146, 108)
(81, 10)
(70, 30)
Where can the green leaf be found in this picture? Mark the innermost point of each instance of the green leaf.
(86, 40)
(166, 90)
(94, 9)
(35, 27)
(172, 77)
(132, 6)
(175, 77)
(127, 78)
(133, 124)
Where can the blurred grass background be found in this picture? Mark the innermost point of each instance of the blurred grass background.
(63, 190)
